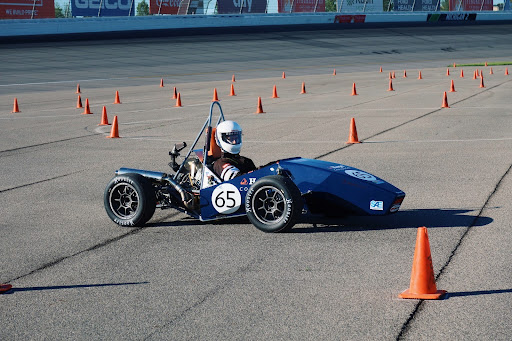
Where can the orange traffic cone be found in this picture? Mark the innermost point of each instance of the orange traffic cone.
(445, 101)
(461, 73)
(354, 92)
(15, 107)
(352, 136)
(506, 71)
(405, 74)
(423, 283)
(334, 72)
(162, 83)
(114, 132)
(77, 89)
(259, 110)
(284, 75)
(79, 102)
(380, 70)
(419, 75)
(490, 72)
(485, 63)
(482, 82)
(452, 87)
(274, 92)
(233, 78)
(87, 109)
(394, 75)
(175, 94)
(454, 65)
(232, 91)
(481, 73)
(303, 91)
(390, 75)
(475, 74)
(391, 85)
(5, 288)
(215, 97)
(447, 72)
(104, 119)
(178, 100)
(117, 101)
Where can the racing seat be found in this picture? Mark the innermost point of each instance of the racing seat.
(214, 152)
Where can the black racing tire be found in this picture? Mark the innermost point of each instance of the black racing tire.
(130, 200)
(273, 204)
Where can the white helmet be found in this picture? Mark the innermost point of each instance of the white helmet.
(229, 137)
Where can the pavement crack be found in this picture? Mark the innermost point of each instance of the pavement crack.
(38, 182)
(419, 305)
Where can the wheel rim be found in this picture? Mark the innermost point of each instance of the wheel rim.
(268, 205)
(124, 200)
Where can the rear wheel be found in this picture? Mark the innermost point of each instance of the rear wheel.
(273, 204)
(130, 200)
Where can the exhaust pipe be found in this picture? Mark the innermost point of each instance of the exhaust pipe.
(186, 198)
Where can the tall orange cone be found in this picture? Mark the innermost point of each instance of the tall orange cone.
(232, 91)
(419, 75)
(447, 72)
(490, 72)
(87, 109)
(394, 75)
(259, 110)
(233, 78)
(284, 75)
(162, 83)
(423, 283)
(117, 101)
(178, 100)
(354, 92)
(15, 107)
(475, 74)
(352, 136)
(506, 71)
(485, 63)
(104, 118)
(461, 73)
(175, 93)
(390, 75)
(452, 87)
(454, 65)
(77, 89)
(5, 288)
(482, 82)
(380, 70)
(334, 72)
(445, 101)
(405, 74)
(391, 85)
(79, 102)
(481, 73)
(303, 91)
(114, 132)
(274, 92)
(215, 97)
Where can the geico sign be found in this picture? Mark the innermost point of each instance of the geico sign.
(108, 4)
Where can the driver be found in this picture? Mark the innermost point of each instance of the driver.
(231, 164)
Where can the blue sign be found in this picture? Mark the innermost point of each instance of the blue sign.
(102, 8)
(247, 6)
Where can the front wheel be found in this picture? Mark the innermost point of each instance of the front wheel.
(130, 200)
(273, 204)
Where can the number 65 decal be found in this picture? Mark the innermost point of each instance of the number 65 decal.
(226, 199)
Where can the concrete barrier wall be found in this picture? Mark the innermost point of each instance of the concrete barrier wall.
(77, 26)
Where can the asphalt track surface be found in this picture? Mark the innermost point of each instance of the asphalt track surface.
(77, 275)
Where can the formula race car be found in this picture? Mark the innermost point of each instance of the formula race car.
(274, 197)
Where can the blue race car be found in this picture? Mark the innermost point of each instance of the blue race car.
(274, 197)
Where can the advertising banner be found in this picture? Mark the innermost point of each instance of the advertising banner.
(23, 9)
(248, 6)
(470, 5)
(296, 6)
(164, 6)
(419, 5)
(360, 5)
(102, 8)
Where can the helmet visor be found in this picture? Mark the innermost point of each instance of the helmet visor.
(232, 137)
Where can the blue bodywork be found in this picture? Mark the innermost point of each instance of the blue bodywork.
(327, 188)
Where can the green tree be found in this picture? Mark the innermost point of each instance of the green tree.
(330, 5)
(58, 11)
(445, 5)
(143, 8)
